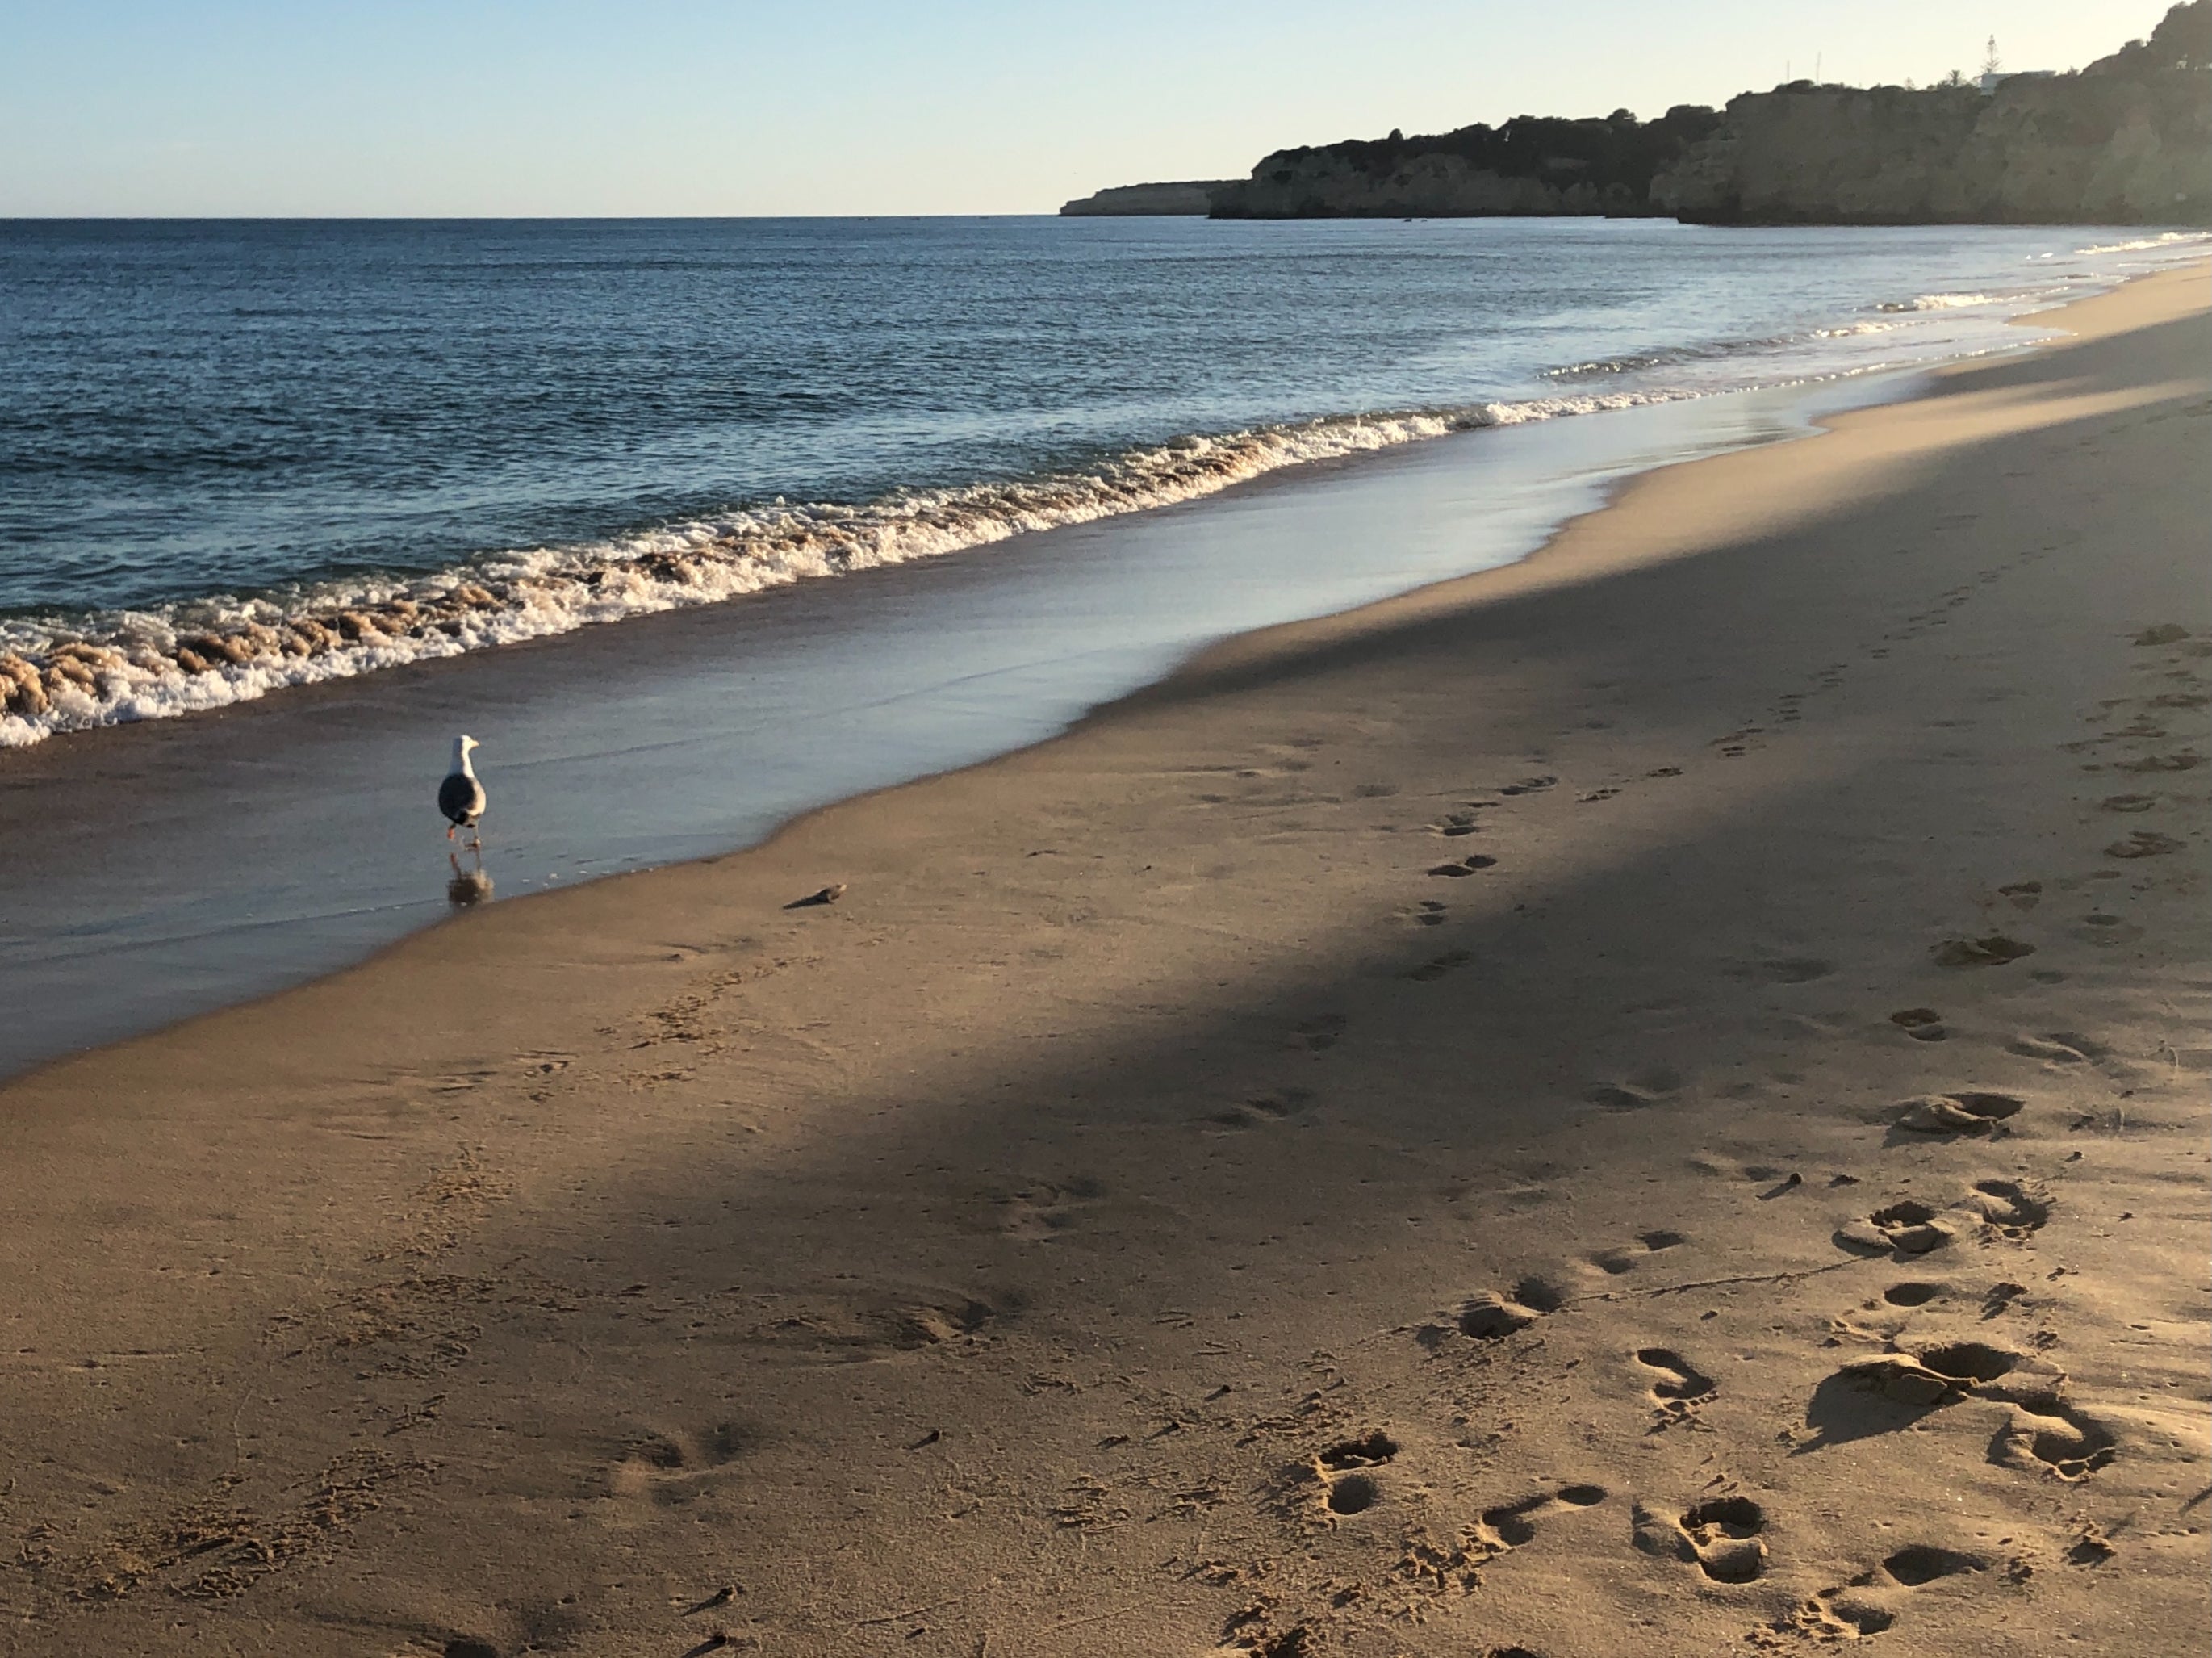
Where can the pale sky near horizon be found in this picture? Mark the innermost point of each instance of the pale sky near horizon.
(476, 107)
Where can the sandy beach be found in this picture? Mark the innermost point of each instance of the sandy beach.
(1650, 1101)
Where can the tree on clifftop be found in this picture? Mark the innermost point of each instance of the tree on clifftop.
(2183, 39)
(2184, 36)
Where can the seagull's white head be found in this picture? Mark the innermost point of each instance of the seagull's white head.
(462, 745)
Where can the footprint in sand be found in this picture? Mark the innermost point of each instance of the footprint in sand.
(1677, 1378)
(1264, 1108)
(1912, 1292)
(673, 1467)
(1511, 1525)
(1951, 1115)
(2105, 931)
(1921, 1024)
(1644, 1089)
(2181, 760)
(1436, 967)
(1342, 1472)
(1720, 1534)
(2129, 802)
(1903, 1228)
(1045, 1210)
(1892, 1391)
(1529, 786)
(1677, 1386)
(1466, 866)
(2054, 1439)
(1319, 1032)
(1431, 914)
(2144, 843)
(2059, 1047)
(1993, 951)
(1490, 1317)
(1869, 1603)
(1923, 1563)
(934, 1326)
(1837, 1614)
(1453, 824)
(2008, 1206)
(1614, 1262)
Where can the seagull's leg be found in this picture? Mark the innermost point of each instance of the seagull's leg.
(449, 830)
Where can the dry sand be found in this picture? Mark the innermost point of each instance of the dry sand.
(1516, 1119)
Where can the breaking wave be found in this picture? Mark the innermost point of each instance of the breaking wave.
(62, 674)
(2148, 244)
(1718, 351)
(1945, 301)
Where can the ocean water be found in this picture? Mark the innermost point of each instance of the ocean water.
(239, 456)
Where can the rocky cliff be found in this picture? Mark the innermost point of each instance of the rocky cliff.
(1528, 166)
(2127, 140)
(1190, 196)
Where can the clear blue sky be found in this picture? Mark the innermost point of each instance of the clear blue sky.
(683, 107)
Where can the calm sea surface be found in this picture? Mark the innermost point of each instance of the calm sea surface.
(235, 456)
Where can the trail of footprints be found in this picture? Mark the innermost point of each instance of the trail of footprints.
(1725, 1536)
(2042, 1432)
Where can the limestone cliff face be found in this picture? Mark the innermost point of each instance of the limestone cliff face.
(1322, 183)
(2128, 141)
(1528, 166)
(2091, 147)
(1191, 198)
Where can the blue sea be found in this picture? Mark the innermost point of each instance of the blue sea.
(238, 457)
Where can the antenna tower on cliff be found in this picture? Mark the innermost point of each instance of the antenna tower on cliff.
(1993, 63)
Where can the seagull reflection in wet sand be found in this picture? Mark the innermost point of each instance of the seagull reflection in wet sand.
(468, 886)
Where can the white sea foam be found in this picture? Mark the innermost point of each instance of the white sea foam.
(1945, 301)
(1853, 331)
(67, 674)
(2146, 244)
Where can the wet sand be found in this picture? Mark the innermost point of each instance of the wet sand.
(165, 868)
(1652, 1100)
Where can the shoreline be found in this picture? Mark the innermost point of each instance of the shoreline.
(66, 673)
(1401, 1138)
(287, 843)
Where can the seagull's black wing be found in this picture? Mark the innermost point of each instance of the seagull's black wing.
(461, 798)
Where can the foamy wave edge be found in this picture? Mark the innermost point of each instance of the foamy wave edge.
(1946, 301)
(2166, 239)
(71, 673)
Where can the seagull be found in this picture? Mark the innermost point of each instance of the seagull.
(461, 797)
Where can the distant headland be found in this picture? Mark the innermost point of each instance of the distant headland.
(1188, 198)
(2126, 140)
